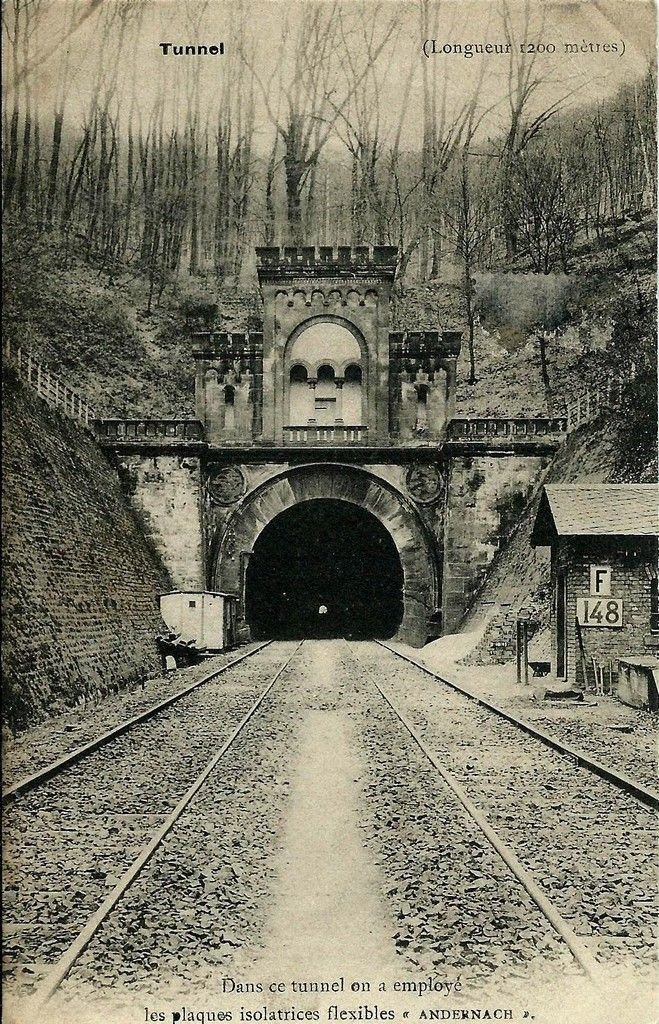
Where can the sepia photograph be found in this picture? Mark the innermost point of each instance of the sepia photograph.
(330, 662)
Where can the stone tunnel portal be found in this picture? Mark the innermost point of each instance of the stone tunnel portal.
(324, 568)
(377, 510)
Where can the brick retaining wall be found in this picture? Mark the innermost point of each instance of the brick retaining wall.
(80, 582)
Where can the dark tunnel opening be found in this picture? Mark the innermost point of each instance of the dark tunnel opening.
(327, 554)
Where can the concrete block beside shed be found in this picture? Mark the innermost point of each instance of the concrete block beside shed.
(638, 681)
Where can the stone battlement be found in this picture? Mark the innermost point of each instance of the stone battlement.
(326, 261)
(419, 344)
(234, 343)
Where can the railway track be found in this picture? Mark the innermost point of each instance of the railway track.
(452, 811)
(622, 781)
(36, 778)
(123, 792)
(552, 811)
(578, 949)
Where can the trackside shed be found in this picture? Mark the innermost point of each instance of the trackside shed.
(605, 598)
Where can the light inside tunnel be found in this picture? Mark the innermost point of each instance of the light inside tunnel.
(324, 568)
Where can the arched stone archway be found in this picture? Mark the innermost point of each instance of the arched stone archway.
(337, 328)
(343, 483)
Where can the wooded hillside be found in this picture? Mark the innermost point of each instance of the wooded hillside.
(519, 192)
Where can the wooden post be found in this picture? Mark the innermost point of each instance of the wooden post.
(525, 636)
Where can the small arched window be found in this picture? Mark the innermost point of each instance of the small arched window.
(421, 406)
(352, 395)
(325, 395)
(353, 374)
(325, 373)
(300, 398)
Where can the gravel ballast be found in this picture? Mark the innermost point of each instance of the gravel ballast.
(215, 898)
(586, 842)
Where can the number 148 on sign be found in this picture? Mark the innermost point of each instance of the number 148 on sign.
(599, 611)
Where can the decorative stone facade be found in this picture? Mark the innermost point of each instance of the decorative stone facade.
(407, 380)
(327, 370)
(233, 531)
(327, 402)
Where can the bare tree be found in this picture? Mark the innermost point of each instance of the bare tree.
(543, 206)
(468, 215)
(359, 124)
(645, 106)
(314, 95)
(420, 195)
(234, 148)
(523, 83)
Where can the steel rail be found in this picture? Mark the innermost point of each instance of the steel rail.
(585, 760)
(54, 979)
(30, 782)
(579, 950)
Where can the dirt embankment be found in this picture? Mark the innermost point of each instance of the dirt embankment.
(520, 574)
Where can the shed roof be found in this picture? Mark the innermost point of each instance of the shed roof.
(596, 510)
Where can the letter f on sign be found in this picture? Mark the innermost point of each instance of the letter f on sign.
(600, 580)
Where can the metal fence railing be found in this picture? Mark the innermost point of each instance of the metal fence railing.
(591, 403)
(48, 385)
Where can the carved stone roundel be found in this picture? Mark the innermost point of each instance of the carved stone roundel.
(424, 483)
(226, 485)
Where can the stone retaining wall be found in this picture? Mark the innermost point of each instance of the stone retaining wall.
(80, 581)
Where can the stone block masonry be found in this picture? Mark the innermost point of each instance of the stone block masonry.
(166, 492)
(520, 574)
(81, 581)
(486, 496)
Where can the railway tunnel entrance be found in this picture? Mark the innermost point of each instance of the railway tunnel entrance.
(324, 568)
(333, 535)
